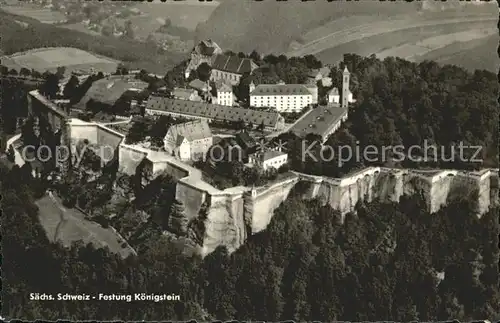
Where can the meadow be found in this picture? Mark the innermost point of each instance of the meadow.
(43, 15)
(49, 59)
(185, 14)
(68, 225)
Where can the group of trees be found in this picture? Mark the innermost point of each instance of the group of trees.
(406, 104)
(388, 261)
(156, 129)
(224, 167)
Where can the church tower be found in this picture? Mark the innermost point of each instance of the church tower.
(345, 87)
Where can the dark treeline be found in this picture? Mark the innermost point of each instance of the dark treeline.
(388, 262)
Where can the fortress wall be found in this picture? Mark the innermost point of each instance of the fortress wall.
(225, 224)
(129, 158)
(83, 131)
(175, 171)
(267, 200)
(191, 196)
(494, 188)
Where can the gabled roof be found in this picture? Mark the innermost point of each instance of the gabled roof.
(334, 91)
(207, 48)
(193, 130)
(281, 89)
(213, 111)
(183, 93)
(199, 85)
(108, 90)
(223, 86)
(233, 64)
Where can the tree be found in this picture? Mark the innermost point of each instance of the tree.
(60, 72)
(13, 72)
(4, 70)
(50, 87)
(70, 89)
(137, 132)
(129, 30)
(203, 72)
(24, 72)
(11, 155)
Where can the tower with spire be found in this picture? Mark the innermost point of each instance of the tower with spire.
(346, 75)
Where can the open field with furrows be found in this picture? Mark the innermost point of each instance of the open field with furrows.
(44, 15)
(69, 225)
(49, 59)
(413, 51)
(410, 42)
(185, 14)
(475, 54)
(361, 32)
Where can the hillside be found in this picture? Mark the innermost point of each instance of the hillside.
(329, 30)
(270, 26)
(21, 34)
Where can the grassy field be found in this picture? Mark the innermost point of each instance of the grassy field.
(412, 51)
(48, 59)
(69, 225)
(361, 32)
(20, 34)
(185, 14)
(46, 16)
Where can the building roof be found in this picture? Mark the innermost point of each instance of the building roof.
(233, 64)
(199, 85)
(207, 48)
(183, 93)
(213, 111)
(334, 91)
(246, 139)
(281, 89)
(223, 86)
(319, 120)
(270, 154)
(108, 90)
(191, 131)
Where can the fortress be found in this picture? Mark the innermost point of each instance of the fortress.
(235, 213)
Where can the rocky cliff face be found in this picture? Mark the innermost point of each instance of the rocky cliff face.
(234, 215)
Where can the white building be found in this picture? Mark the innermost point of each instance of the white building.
(225, 95)
(334, 96)
(189, 140)
(283, 97)
(269, 159)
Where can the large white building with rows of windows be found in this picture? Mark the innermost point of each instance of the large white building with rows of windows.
(283, 97)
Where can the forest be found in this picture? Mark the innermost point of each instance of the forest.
(386, 262)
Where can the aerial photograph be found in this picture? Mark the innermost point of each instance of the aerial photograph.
(245, 160)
